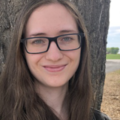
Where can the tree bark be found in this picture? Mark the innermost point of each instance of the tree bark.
(96, 16)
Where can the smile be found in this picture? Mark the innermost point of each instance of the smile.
(54, 68)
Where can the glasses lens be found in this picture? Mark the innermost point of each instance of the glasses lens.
(69, 42)
(36, 45)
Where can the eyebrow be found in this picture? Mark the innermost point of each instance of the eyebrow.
(60, 32)
(37, 34)
(67, 31)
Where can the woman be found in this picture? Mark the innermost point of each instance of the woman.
(46, 76)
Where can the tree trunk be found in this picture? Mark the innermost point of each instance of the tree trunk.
(96, 16)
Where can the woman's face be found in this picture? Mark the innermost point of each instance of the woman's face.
(53, 68)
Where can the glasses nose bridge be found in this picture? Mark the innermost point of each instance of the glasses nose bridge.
(53, 39)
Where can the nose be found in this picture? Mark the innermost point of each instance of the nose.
(54, 54)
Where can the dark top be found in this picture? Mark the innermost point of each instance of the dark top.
(100, 116)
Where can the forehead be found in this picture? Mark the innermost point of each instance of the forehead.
(55, 8)
(51, 16)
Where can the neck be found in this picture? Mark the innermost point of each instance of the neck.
(54, 98)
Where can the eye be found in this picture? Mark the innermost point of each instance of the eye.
(67, 39)
(37, 42)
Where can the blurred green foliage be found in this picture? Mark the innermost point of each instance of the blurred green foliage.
(112, 50)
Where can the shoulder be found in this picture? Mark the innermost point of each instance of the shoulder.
(97, 115)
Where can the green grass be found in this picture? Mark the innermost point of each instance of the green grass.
(113, 56)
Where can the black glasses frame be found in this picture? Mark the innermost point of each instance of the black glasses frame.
(54, 39)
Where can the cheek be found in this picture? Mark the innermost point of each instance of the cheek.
(74, 60)
(32, 59)
(74, 55)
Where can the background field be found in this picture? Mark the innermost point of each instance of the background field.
(113, 56)
(111, 95)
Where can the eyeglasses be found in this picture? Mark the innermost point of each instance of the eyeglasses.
(66, 42)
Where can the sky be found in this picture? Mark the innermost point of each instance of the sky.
(113, 39)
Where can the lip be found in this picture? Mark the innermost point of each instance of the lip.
(54, 68)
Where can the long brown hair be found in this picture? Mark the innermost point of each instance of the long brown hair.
(18, 99)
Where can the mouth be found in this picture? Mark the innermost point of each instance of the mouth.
(54, 68)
